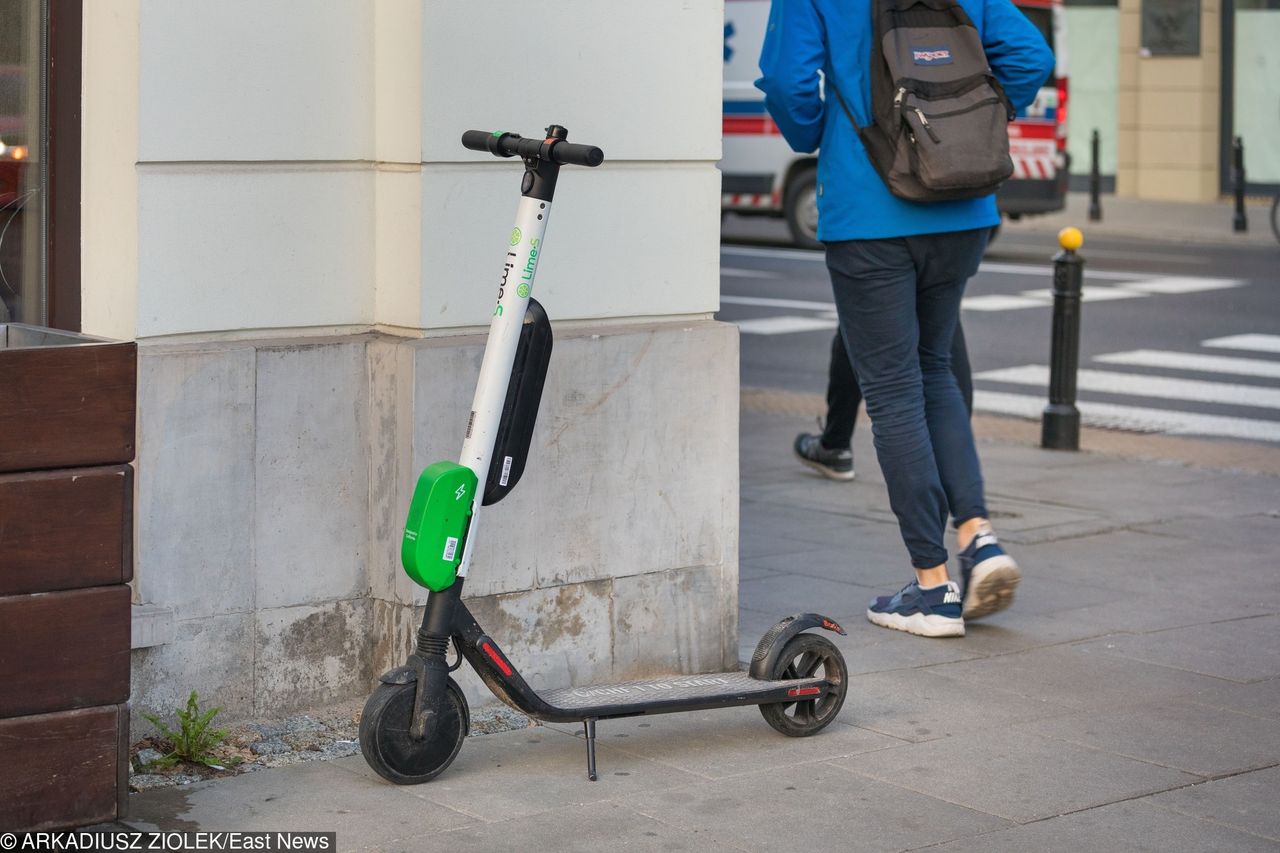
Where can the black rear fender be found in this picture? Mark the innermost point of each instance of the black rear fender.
(773, 641)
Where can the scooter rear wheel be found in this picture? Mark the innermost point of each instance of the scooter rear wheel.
(389, 748)
(808, 656)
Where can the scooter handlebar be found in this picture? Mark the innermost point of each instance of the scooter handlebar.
(514, 145)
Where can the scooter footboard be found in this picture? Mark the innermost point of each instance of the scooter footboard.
(625, 699)
(681, 693)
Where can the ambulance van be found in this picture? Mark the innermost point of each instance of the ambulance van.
(762, 176)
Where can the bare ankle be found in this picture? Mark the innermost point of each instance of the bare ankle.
(970, 528)
(935, 576)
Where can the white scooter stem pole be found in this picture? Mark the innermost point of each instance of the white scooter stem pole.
(518, 268)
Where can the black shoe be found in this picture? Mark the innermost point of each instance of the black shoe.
(836, 464)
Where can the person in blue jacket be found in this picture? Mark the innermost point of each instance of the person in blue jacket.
(898, 271)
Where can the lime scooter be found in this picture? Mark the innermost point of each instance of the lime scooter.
(416, 719)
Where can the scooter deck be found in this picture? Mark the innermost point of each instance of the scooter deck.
(676, 693)
(670, 694)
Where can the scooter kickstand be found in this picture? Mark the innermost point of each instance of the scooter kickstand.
(589, 727)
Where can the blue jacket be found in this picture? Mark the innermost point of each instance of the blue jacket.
(853, 202)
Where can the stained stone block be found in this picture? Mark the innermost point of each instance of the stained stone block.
(195, 481)
(391, 471)
(311, 471)
(555, 637)
(212, 655)
(311, 655)
(655, 631)
(599, 454)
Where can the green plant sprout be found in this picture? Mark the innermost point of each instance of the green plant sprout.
(194, 740)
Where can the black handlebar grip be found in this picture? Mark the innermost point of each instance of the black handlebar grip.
(512, 144)
(483, 140)
(577, 155)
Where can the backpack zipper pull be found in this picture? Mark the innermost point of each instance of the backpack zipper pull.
(897, 100)
(924, 122)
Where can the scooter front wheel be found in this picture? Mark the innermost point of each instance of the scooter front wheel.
(397, 756)
(808, 656)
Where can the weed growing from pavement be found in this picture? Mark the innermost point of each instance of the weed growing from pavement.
(194, 740)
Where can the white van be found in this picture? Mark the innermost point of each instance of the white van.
(762, 176)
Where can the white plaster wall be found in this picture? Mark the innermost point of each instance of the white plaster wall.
(623, 240)
(299, 166)
(109, 186)
(246, 246)
(638, 236)
(247, 80)
(641, 80)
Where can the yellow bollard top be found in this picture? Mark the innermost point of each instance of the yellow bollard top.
(1070, 238)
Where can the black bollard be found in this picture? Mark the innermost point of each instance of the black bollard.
(1060, 425)
(1240, 222)
(1095, 180)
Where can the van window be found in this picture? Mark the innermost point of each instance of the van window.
(1042, 17)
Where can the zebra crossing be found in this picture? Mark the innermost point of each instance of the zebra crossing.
(1215, 384)
(1222, 387)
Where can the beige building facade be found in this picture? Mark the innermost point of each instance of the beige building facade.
(1169, 98)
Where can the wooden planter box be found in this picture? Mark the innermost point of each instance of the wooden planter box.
(67, 406)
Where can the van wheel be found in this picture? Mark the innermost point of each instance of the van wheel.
(800, 206)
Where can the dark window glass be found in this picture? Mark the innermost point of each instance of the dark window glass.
(1043, 19)
(23, 179)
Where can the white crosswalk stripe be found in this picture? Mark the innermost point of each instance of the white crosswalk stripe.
(785, 325)
(1182, 284)
(1194, 361)
(734, 272)
(1135, 418)
(1144, 418)
(770, 302)
(1142, 385)
(1257, 343)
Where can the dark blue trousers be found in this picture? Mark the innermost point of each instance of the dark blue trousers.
(844, 395)
(899, 303)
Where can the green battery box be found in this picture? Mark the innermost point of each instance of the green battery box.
(437, 526)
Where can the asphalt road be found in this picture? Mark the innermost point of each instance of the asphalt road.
(1175, 339)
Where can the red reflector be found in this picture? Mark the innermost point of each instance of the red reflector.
(1060, 114)
(749, 126)
(804, 691)
(496, 658)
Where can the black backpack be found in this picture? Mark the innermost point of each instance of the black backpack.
(940, 119)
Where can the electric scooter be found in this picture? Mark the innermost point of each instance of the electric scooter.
(415, 721)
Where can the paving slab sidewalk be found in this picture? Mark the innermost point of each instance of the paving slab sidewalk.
(1129, 700)
(1203, 223)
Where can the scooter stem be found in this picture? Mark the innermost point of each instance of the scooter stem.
(519, 266)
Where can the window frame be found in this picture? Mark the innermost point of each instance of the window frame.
(61, 112)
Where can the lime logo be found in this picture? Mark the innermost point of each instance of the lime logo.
(522, 291)
(515, 236)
